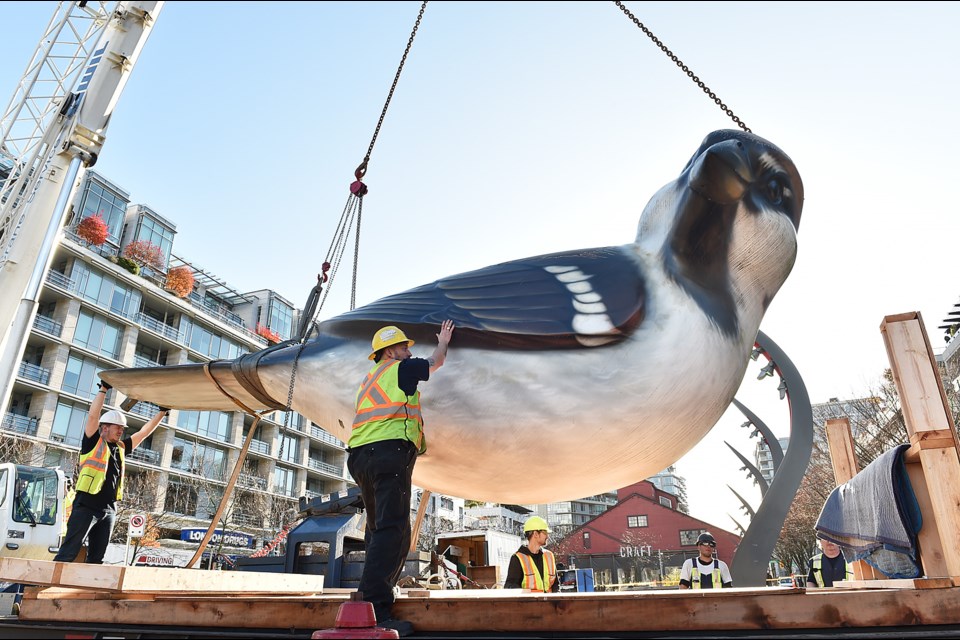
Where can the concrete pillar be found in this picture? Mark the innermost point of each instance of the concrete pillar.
(128, 344)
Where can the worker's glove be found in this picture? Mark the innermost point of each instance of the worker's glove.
(106, 386)
(165, 410)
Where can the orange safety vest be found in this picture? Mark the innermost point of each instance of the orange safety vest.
(532, 579)
(93, 469)
(384, 411)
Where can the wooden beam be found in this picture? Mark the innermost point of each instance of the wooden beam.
(105, 577)
(926, 413)
(843, 458)
(421, 512)
(687, 611)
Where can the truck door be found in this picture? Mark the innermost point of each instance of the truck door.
(31, 511)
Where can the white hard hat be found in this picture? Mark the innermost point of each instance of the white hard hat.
(114, 417)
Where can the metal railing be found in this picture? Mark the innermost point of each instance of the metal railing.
(34, 372)
(158, 327)
(323, 436)
(145, 455)
(145, 409)
(259, 446)
(140, 361)
(57, 279)
(20, 424)
(48, 325)
(253, 482)
(325, 466)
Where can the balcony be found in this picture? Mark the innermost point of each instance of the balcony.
(158, 327)
(323, 436)
(20, 424)
(251, 482)
(259, 446)
(48, 326)
(325, 467)
(143, 363)
(57, 279)
(145, 455)
(34, 372)
(145, 409)
(244, 520)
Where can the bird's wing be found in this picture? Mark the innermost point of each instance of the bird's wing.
(588, 297)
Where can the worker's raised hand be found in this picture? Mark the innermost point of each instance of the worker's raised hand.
(105, 386)
(446, 332)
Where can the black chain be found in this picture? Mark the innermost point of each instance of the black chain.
(362, 169)
(680, 64)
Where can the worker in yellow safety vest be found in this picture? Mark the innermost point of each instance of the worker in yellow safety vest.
(533, 567)
(705, 571)
(100, 479)
(382, 449)
(828, 567)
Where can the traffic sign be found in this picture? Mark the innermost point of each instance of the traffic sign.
(138, 524)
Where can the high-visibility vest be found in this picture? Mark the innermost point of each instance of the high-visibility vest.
(534, 580)
(384, 411)
(93, 469)
(818, 570)
(714, 576)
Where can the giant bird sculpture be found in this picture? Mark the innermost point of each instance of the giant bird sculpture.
(571, 373)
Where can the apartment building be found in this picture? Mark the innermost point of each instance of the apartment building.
(95, 314)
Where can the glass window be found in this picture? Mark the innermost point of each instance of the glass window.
(212, 424)
(586, 539)
(281, 318)
(156, 233)
(98, 334)
(68, 423)
(291, 447)
(198, 458)
(180, 498)
(97, 199)
(636, 521)
(104, 291)
(35, 496)
(81, 376)
(667, 502)
(688, 537)
(283, 481)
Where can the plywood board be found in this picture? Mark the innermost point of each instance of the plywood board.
(96, 577)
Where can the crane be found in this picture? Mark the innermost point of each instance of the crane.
(53, 130)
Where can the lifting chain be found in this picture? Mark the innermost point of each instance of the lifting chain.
(680, 64)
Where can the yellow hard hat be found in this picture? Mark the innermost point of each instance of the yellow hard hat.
(535, 523)
(387, 337)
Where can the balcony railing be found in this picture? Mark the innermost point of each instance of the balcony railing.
(140, 361)
(158, 327)
(253, 482)
(34, 372)
(145, 409)
(259, 446)
(57, 279)
(48, 325)
(323, 436)
(20, 424)
(325, 467)
(245, 520)
(145, 455)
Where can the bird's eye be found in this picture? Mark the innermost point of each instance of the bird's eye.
(774, 191)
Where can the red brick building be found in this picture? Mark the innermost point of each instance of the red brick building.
(641, 539)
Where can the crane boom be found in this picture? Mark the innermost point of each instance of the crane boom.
(70, 143)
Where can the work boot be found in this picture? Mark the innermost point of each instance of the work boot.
(402, 627)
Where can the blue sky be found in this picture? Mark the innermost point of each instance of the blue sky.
(524, 128)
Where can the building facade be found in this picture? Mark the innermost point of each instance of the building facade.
(641, 541)
(99, 310)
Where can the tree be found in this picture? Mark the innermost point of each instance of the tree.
(93, 230)
(145, 254)
(180, 281)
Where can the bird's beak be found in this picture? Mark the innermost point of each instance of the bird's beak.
(721, 173)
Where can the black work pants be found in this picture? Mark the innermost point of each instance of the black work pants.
(383, 471)
(94, 525)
